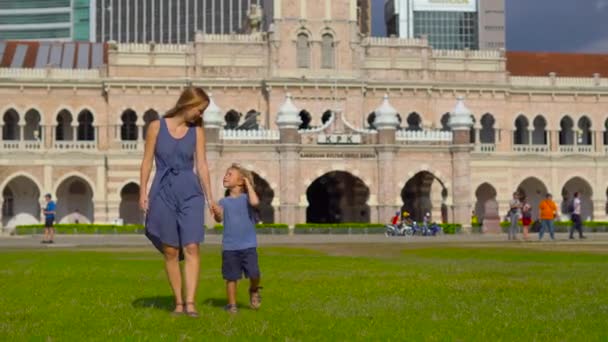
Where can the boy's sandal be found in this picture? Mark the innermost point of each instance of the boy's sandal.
(231, 308)
(194, 313)
(255, 299)
(178, 313)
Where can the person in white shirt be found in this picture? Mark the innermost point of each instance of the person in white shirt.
(575, 216)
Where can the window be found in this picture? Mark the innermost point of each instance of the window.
(447, 30)
(327, 51)
(303, 51)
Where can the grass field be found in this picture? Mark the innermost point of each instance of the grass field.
(488, 292)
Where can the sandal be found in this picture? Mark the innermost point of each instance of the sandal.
(194, 313)
(231, 308)
(255, 300)
(178, 313)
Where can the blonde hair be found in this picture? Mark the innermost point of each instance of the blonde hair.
(243, 172)
(190, 97)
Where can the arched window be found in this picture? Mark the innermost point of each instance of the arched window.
(585, 135)
(445, 122)
(232, 119)
(303, 51)
(566, 134)
(63, 130)
(327, 51)
(521, 135)
(86, 132)
(326, 116)
(539, 135)
(414, 122)
(128, 130)
(149, 116)
(33, 130)
(306, 118)
(10, 130)
(487, 135)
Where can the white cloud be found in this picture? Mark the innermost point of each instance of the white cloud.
(600, 5)
(595, 46)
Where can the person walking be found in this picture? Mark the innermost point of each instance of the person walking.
(548, 212)
(575, 216)
(514, 212)
(49, 219)
(176, 203)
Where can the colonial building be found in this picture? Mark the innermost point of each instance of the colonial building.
(337, 126)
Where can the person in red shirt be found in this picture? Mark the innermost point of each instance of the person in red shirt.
(395, 219)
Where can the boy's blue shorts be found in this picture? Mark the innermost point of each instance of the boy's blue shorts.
(235, 263)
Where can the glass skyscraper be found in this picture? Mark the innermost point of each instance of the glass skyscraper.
(45, 20)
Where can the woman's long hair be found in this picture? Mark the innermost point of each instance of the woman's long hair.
(190, 97)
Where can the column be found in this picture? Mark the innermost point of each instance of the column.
(74, 131)
(21, 131)
(599, 208)
(477, 136)
(530, 136)
(387, 191)
(598, 141)
(49, 136)
(554, 140)
(289, 165)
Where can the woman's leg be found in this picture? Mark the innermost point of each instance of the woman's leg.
(526, 232)
(173, 273)
(192, 268)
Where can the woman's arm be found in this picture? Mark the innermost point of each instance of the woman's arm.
(146, 163)
(202, 167)
(254, 201)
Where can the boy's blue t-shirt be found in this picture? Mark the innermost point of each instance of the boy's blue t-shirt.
(50, 206)
(239, 225)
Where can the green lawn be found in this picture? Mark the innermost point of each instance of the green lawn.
(331, 292)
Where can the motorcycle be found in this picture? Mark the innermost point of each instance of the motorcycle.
(400, 229)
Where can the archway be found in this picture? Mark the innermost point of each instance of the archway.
(337, 197)
(534, 190)
(129, 210)
(416, 196)
(445, 122)
(578, 184)
(20, 202)
(484, 193)
(232, 119)
(75, 201)
(10, 128)
(266, 194)
(128, 129)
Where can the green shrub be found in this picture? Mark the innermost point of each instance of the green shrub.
(82, 228)
(339, 225)
(451, 228)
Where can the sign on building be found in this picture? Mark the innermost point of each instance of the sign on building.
(339, 139)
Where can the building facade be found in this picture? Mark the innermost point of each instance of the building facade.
(337, 127)
(448, 24)
(47, 19)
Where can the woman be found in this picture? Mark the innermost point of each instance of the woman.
(176, 203)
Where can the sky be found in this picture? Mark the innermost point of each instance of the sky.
(579, 26)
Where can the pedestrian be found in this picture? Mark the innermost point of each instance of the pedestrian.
(548, 212)
(526, 217)
(239, 242)
(175, 204)
(575, 216)
(514, 212)
(49, 219)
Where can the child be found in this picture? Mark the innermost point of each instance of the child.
(239, 243)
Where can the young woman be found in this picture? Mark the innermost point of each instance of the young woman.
(176, 203)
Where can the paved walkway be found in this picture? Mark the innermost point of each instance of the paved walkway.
(71, 241)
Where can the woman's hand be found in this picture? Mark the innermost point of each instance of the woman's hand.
(143, 202)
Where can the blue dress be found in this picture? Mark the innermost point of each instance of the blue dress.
(176, 203)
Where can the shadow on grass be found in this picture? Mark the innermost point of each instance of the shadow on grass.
(166, 303)
(215, 302)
